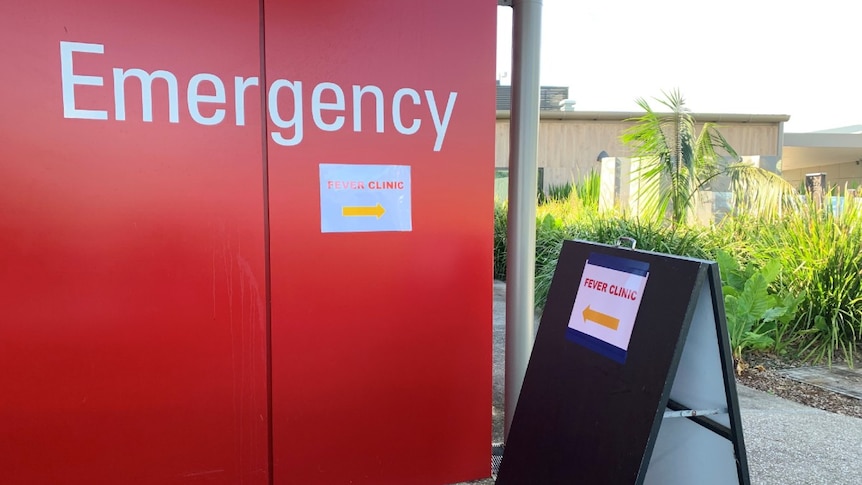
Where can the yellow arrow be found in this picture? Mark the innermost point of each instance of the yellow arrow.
(363, 210)
(601, 318)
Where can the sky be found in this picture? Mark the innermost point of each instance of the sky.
(800, 59)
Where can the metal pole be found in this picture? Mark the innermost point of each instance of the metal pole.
(523, 149)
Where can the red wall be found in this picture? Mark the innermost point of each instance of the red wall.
(385, 335)
(136, 258)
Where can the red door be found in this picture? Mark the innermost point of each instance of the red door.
(381, 327)
(132, 289)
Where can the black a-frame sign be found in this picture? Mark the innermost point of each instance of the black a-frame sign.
(631, 378)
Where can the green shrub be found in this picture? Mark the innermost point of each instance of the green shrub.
(501, 210)
(583, 193)
(757, 318)
(811, 306)
(550, 234)
(588, 190)
(606, 229)
(822, 255)
(557, 192)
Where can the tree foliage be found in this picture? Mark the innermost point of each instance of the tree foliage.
(677, 161)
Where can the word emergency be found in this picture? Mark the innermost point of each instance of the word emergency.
(206, 100)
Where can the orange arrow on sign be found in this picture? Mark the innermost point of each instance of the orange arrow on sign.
(602, 319)
(362, 211)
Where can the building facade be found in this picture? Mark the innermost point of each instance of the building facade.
(572, 143)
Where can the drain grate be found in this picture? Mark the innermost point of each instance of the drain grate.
(496, 458)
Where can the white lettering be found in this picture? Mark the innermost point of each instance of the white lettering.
(146, 79)
(195, 98)
(283, 102)
(70, 79)
(357, 106)
(435, 115)
(396, 111)
(296, 121)
(317, 106)
(240, 85)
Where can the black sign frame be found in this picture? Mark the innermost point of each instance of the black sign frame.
(585, 418)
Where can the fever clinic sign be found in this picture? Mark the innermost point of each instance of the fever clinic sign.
(365, 198)
(607, 303)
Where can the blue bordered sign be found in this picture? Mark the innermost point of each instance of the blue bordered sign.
(607, 303)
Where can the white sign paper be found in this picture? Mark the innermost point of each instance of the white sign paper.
(607, 304)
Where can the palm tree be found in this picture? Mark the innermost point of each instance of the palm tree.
(676, 162)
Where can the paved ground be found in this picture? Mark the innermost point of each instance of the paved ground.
(838, 379)
(787, 443)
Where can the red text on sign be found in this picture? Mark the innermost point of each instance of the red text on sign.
(360, 185)
(595, 284)
(344, 185)
(623, 292)
(615, 290)
(381, 185)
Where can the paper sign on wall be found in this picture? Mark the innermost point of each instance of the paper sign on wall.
(365, 198)
(607, 304)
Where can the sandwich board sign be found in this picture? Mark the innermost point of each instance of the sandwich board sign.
(631, 378)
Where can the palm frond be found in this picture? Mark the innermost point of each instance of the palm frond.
(761, 193)
(678, 161)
